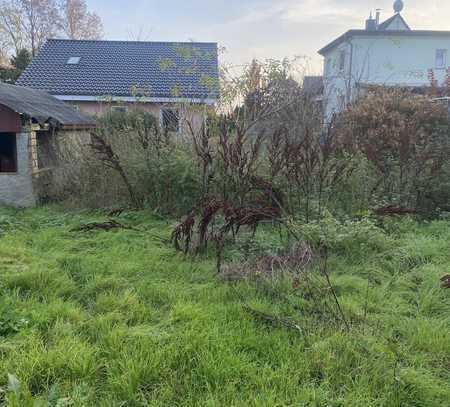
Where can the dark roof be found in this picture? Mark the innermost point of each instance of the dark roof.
(385, 24)
(389, 33)
(42, 107)
(116, 68)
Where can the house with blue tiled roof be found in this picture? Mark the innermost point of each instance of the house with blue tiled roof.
(100, 75)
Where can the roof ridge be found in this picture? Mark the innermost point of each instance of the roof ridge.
(133, 41)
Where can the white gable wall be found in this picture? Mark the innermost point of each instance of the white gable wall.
(397, 24)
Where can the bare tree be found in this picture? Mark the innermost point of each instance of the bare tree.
(28, 23)
(78, 23)
(11, 33)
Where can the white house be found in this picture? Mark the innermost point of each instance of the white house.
(387, 54)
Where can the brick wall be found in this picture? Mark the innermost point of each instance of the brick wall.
(17, 189)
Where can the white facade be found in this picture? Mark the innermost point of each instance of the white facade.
(391, 54)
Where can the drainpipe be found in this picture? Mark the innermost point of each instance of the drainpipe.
(350, 72)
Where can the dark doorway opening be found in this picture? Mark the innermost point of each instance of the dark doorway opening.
(8, 152)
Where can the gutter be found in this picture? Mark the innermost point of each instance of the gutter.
(106, 99)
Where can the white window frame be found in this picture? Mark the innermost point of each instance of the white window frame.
(440, 58)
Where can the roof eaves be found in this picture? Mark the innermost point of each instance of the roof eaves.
(352, 33)
(336, 42)
(131, 99)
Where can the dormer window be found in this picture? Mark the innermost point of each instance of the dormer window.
(73, 60)
(441, 58)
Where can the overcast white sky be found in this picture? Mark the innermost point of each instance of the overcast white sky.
(257, 28)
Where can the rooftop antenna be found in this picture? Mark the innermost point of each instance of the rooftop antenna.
(398, 6)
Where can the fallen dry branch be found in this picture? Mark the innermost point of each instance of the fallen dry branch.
(116, 212)
(106, 226)
(272, 319)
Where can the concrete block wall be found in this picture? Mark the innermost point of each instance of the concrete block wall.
(17, 189)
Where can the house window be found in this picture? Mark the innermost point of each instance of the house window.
(8, 152)
(121, 109)
(170, 120)
(341, 60)
(441, 58)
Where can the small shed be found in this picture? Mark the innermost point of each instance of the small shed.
(29, 119)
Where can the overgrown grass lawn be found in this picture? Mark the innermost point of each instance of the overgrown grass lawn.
(119, 318)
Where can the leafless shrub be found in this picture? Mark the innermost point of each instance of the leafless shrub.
(405, 137)
(309, 156)
(110, 159)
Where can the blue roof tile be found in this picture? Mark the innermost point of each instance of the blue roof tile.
(124, 68)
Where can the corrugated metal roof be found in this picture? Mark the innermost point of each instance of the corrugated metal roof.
(41, 106)
(124, 69)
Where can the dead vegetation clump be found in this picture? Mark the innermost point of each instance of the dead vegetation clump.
(213, 218)
(445, 281)
(293, 260)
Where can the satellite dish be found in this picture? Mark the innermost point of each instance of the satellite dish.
(398, 6)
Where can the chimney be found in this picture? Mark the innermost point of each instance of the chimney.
(377, 18)
(371, 24)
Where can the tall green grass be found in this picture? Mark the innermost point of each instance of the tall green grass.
(120, 319)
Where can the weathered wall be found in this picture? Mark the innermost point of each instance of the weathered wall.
(101, 108)
(17, 189)
(195, 114)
